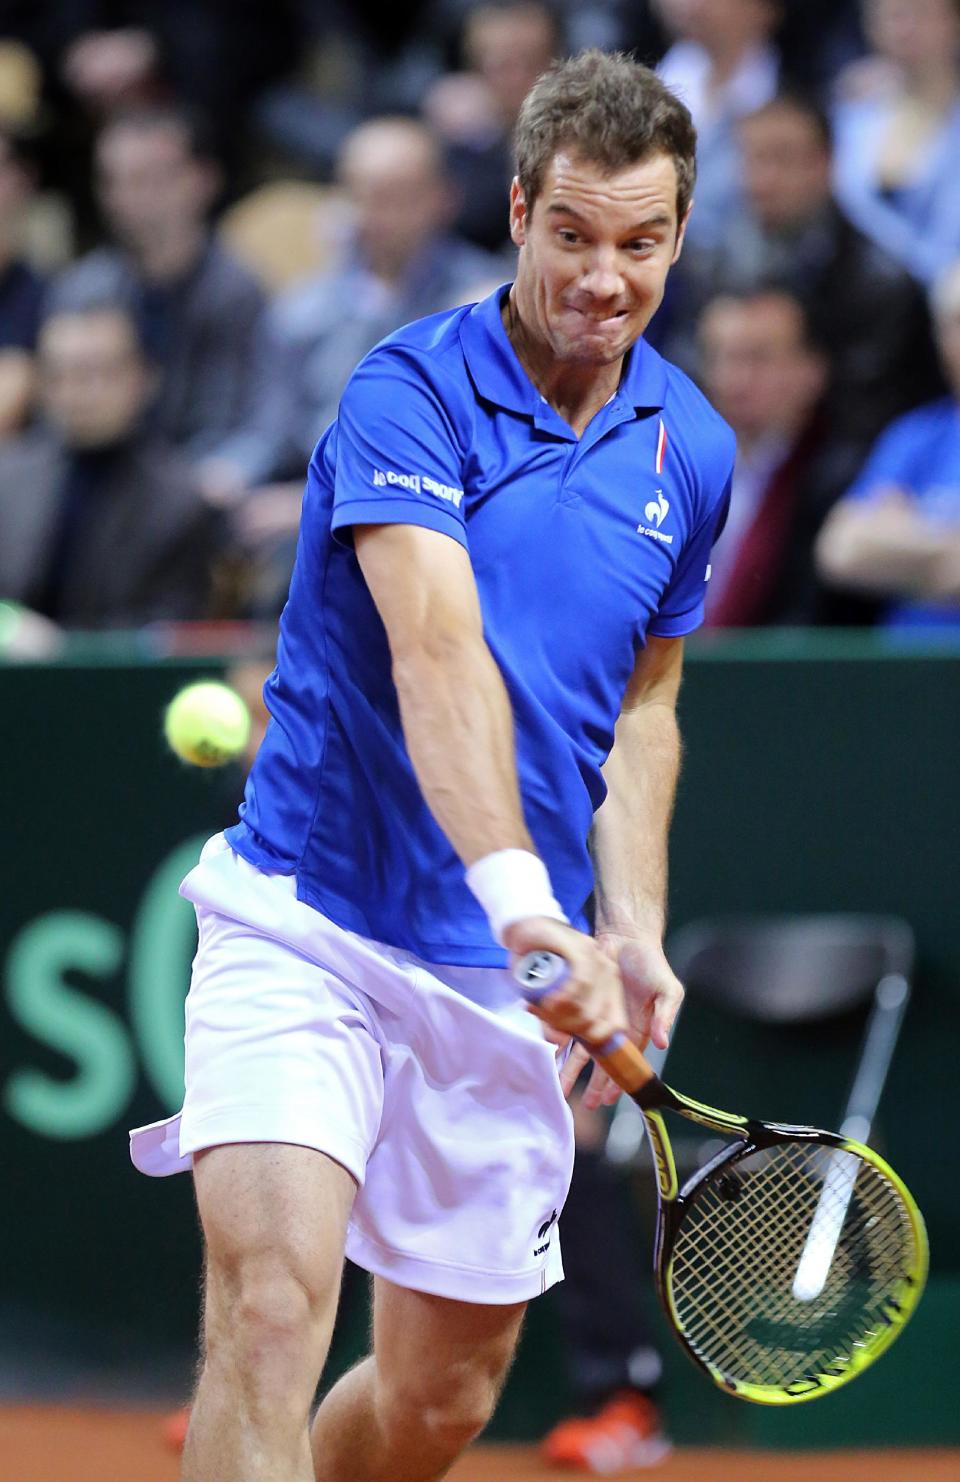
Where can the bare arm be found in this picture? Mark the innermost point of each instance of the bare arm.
(886, 546)
(629, 842)
(454, 706)
(458, 728)
(631, 828)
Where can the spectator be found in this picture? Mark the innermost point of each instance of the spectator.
(870, 315)
(723, 64)
(506, 45)
(100, 525)
(896, 534)
(21, 291)
(897, 128)
(198, 310)
(398, 263)
(767, 376)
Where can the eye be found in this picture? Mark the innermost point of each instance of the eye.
(641, 246)
(567, 234)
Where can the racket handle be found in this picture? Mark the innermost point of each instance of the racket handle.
(539, 974)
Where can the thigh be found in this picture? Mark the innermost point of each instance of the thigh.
(278, 1049)
(428, 1346)
(274, 1218)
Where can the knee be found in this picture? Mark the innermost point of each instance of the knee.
(446, 1411)
(264, 1321)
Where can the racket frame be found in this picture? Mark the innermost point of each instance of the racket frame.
(675, 1202)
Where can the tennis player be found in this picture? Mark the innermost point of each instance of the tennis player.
(505, 536)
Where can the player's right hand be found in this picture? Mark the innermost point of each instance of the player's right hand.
(589, 1003)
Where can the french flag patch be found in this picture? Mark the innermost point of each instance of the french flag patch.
(661, 446)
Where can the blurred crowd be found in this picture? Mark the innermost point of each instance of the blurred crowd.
(209, 213)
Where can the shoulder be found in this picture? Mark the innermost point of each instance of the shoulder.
(424, 359)
(152, 464)
(311, 307)
(916, 427)
(224, 277)
(102, 272)
(26, 460)
(697, 429)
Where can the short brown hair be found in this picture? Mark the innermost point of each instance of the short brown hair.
(612, 111)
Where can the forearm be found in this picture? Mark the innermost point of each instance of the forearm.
(631, 829)
(458, 727)
(905, 557)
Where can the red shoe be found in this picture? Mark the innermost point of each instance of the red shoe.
(175, 1428)
(625, 1433)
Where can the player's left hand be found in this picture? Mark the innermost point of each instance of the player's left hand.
(653, 994)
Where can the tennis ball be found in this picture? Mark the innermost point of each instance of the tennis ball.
(207, 724)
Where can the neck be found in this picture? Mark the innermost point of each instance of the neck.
(165, 260)
(934, 84)
(389, 267)
(726, 57)
(576, 392)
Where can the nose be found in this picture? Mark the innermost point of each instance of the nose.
(602, 279)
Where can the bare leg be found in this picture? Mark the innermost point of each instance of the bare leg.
(406, 1413)
(274, 1218)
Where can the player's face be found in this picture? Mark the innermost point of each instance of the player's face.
(595, 252)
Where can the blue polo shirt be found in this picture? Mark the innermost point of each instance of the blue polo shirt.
(919, 454)
(581, 547)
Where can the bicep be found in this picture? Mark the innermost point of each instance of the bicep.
(423, 586)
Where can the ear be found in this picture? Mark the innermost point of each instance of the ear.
(681, 235)
(518, 213)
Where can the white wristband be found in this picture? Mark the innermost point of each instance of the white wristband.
(510, 885)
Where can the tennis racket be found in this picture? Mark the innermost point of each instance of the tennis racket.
(730, 1242)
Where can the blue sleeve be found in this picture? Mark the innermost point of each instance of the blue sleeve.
(681, 607)
(892, 460)
(402, 433)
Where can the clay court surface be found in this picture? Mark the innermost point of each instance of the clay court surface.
(49, 1444)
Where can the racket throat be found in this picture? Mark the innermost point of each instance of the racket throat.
(663, 1160)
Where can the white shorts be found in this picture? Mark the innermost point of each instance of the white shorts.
(430, 1084)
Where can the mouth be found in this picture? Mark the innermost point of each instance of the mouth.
(597, 323)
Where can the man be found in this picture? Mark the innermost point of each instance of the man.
(101, 524)
(198, 310)
(723, 63)
(505, 536)
(896, 533)
(398, 263)
(767, 375)
(506, 44)
(870, 315)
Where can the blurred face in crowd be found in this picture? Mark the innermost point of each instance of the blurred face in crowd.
(94, 383)
(400, 198)
(149, 185)
(721, 26)
(761, 375)
(510, 49)
(913, 33)
(595, 252)
(786, 166)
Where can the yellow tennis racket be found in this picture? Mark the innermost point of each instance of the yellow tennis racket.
(790, 1262)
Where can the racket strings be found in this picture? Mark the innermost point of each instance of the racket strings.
(738, 1249)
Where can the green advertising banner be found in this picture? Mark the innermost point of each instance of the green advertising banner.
(820, 774)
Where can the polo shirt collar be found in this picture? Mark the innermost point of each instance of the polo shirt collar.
(499, 377)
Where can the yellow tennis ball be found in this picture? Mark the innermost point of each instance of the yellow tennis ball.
(207, 724)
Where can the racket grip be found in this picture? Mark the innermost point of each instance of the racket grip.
(541, 973)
